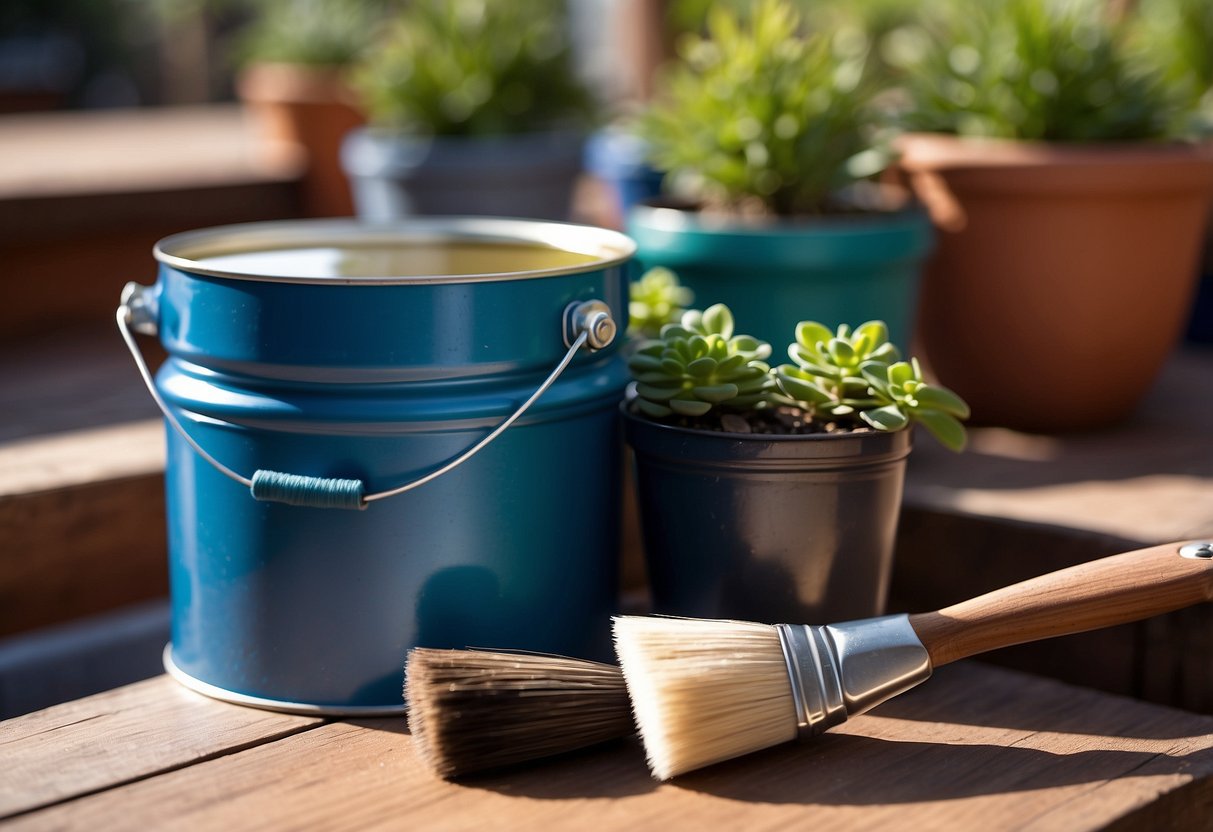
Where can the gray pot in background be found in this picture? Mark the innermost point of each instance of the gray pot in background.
(395, 175)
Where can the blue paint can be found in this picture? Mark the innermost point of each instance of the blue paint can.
(381, 437)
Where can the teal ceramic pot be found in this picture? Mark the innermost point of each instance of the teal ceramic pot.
(835, 269)
(775, 529)
(395, 175)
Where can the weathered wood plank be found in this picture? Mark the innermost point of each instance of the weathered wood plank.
(975, 748)
(79, 550)
(121, 736)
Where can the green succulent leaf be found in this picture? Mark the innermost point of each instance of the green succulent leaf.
(842, 352)
(642, 363)
(944, 427)
(888, 417)
(731, 364)
(689, 407)
(715, 393)
(943, 399)
(718, 319)
(652, 409)
(703, 367)
(750, 344)
(877, 375)
(873, 334)
(810, 333)
(657, 378)
(671, 366)
(800, 389)
(657, 392)
(900, 373)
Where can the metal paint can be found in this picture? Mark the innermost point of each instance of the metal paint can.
(454, 381)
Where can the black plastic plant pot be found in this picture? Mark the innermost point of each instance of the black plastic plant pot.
(776, 529)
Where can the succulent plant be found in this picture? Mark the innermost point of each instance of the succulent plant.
(761, 118)
(828, 375)
(475, 68)
(847, 377)
(858, 376)
(909, 398)
(1032, 69)
(657, 298)
(698, 365)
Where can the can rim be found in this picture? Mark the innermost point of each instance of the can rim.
(181, 251)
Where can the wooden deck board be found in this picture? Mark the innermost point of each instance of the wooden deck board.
(120, 736)
(974, 748)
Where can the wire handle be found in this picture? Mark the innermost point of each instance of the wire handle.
(586, 324)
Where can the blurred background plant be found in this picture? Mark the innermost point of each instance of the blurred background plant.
(313, 32)
(1179, 35)
(656, 298)
(1033, 69)
(760, 116)
(475, 68)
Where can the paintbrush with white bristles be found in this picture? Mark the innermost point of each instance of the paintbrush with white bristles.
(705, 691)
(473, 710)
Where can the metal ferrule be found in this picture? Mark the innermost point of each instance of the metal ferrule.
(842, 670)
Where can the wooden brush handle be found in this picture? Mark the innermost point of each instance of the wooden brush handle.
(1102, 593)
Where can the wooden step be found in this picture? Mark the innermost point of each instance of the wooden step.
(76, 225)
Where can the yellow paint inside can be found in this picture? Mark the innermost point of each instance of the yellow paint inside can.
(402, 259)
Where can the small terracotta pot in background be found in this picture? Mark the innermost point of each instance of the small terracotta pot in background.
(305, 110)
(1063, 274)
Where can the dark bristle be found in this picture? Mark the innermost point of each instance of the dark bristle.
(473, 710)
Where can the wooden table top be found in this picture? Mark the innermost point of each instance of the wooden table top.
(976, 747)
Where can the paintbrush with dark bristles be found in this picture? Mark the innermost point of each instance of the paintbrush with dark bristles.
(707, 691)
(472, 710)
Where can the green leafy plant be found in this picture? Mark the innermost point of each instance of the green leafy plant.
(858, 376)
(474, 68)
(760, 118)
(656, 299)
(845, 378)
(1032, 69)
(699, 365)
(313, 32)
(1179, 35)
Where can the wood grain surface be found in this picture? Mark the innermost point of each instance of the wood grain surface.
(974, 748)
(123, 735)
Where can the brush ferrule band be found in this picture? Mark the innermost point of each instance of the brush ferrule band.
(813, 673)
(843, 670)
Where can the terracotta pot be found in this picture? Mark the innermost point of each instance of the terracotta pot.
(1062, 276)
(305, 111)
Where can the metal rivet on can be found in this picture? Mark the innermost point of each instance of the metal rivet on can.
(592, 317)
(1202, 550)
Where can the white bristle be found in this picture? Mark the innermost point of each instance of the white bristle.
(704, 691)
